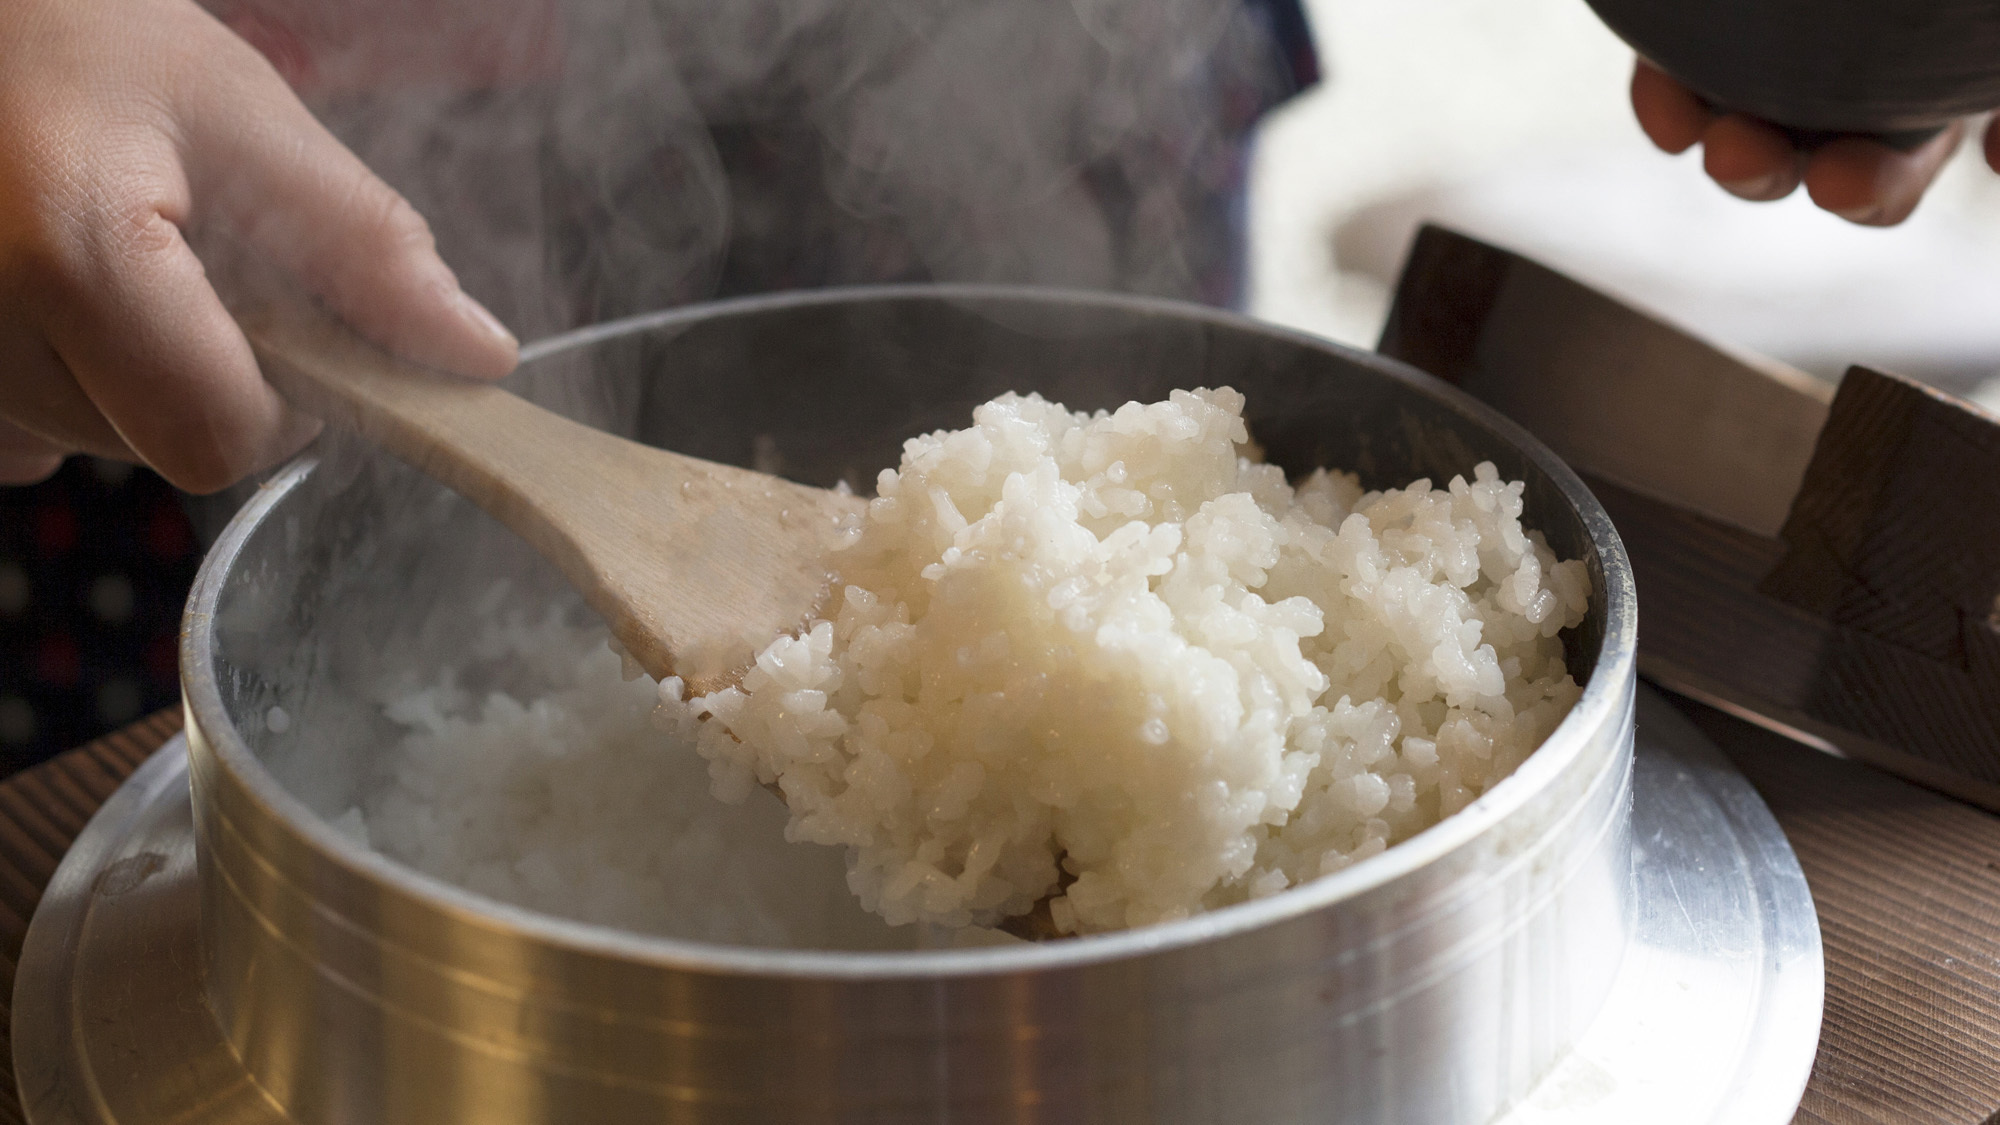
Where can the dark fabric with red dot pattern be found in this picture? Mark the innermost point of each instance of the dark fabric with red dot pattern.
(95, 564)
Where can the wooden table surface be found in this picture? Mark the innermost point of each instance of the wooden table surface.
(1907, 883)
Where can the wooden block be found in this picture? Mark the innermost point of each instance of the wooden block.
(1627, 397)
(1828, 568)
(1708, 630)
(1444, 297)
(1896, 531)
(1895, 540)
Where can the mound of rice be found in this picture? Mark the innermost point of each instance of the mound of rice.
(1116, 643)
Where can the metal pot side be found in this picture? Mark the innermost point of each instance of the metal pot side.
(1434, 983)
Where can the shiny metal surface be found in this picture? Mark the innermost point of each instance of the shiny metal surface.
(1713, 1018)
(110, 1024)
(1435, 983)
(1715, 1015)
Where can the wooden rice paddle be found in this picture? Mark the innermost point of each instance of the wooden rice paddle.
(695, 565)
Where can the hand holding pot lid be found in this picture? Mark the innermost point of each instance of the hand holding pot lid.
(1860, 101)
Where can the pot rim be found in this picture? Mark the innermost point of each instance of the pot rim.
(1608, 689)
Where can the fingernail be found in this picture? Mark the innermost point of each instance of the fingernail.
(1867, 215)
(1760, 188)
(477, 313)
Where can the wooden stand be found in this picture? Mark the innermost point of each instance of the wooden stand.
(1824, 565)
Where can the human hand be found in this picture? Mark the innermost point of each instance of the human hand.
(124, 127)
(1861, 180)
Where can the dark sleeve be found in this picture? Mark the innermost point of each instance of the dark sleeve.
(1286, 22)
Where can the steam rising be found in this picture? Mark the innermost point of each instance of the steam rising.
(589, 159)
(611, 156)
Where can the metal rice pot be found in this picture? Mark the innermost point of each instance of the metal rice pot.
(1433, 983)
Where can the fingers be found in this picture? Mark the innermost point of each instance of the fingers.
(42, 399)
(25, 458)
(1993, 143)
(1869, 183)
(300, 198)
(1673, 118)
(1751, 160)
(1748, 158)
(135, 323)
(1861, 180)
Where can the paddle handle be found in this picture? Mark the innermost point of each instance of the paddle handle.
(694, 565)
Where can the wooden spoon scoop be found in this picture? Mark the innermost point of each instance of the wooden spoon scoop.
(696, 566)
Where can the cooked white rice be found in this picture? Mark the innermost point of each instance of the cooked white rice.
(557, 792)
(1115, 642)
